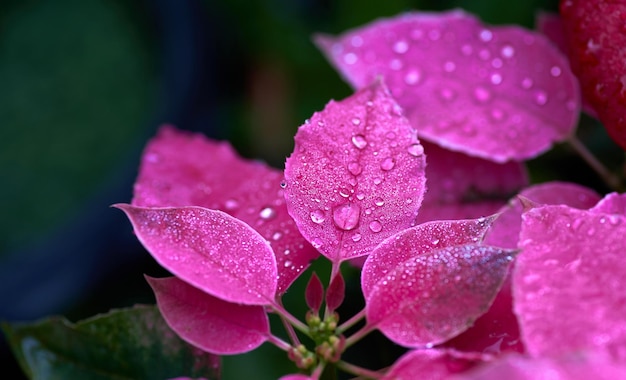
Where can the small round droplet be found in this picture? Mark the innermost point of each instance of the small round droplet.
(277, 235)
(482, 94)
(376, 226)
(359, 141)
(555, 71)
(395, 64)
(267, 213)
(317, 243)
(447, 94)
(345, 193)
(283, 184)
(435, 242)
(496, 78)
(527, 83)
(387, 164)
(318, 216)
(449, 66)
(497, 114)
(287, 264)
(507, 51)
(541, 98)
(356, 41)
(356, 121)
(346, 216)
(486, 35)
(379, 202)
(360, 196)
(350, 58)
(354, 168)
(231, 204)
(356, 237)
(413, 77)
(415, 150)
(401, 47)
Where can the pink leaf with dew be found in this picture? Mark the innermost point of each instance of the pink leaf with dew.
(511, 91)
(581, 366)
(207, 322)
(356, 175)
(432, 364)
(184, 169)
(569, 280)
(464, 187)
(314, 293)
(612, 203)
(551, 25)
(336, 292)
(596, 37)
(435, 296)
(417, 241)
(497, 330)
(210, 250)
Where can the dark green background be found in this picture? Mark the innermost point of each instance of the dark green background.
(84, 85)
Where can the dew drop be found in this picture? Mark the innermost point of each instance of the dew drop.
(449, 66)
(317, 243)
(231, 204)
(576, 224)
(356, 237)
(354, 168)
(387, 164)
(277, 235)
(497, 114)
(497, 63)
(378, 181)
(356, 41)
(541, 98)
(401, 47)
(267, 213)
(434, 34)
(317, 216)
(413, 77)
(153, 158)
(496, 78)
(435, 241)
(482, 94)
(555, 71)
(395, 64)
(376, 226)
(507, 51)
(287, 264)
(467, 49)
(346, 216)
(344, 192)
(486, 35)
(527, 83)
(283, 184)
(286, 252)
(447, 94)
(350, 58)
(360, 196)
(379, 202)
(356, 121)
(415, 150)
(359, 141)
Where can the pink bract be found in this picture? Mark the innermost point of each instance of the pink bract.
(207, 322)
(569, 282)
(500, 93)
(356, 175)
(210, 250)
(435, 296)
(432, 364)
(184, 169)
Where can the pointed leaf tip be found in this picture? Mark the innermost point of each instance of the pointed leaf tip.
(314, 293)
(356, 175)
(336, 292)
(210, 250)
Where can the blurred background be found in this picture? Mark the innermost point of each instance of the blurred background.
(86, 83)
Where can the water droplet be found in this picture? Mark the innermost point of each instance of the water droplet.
(356, 121)
(387, 164)
(356, 237)
(379, 202)
(413, 77)
(286, 252)
(484, 54)
(435, 242)
(507, 51)
(591, 231)
(153, 157)
(378, 181)
(486, 35)
(347, 216)
(231, 204)
(527, 83)
(318, 216)
(277, 235)
(447, 94)
(356, 41)
(317, 243)
(449, 66)
(497, 114)
(541, 97)
(408, 201)
(350, 58)
(497, 63)
(359, 141)
(344, 192)
(401, 47)
(267, 213)
(360, 196)
(287, 264)
(354, 168)
(434, 34)
(496, 78)
(283, 184)
(576, 224)
(415, 150)
(482, 94)
(376, 226)
(555, 71)
(395, 64)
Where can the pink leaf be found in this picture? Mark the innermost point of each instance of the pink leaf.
(595, 33)
(433, 297)
(569, 280)
(314, 293)
(356, 175)
(511, 91)
(208, 249)
(418, 241)
(464, 187)
(207, 322)
(183, 169)
(612, 203)
(432, 364)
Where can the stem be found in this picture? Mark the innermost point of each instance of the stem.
(359, 371)
(333, 272)
(288, 327)
(352, 339)
(278, 308)
(351, 322)
(609, 178)
(279, 343)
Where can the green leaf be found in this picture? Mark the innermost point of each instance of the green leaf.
(132, 343)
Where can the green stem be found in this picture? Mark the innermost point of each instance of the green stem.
(611, 180)
(295, 322)
(279, 343)
(359, 371)
(351, 322)
(352, 339)
(289, 327)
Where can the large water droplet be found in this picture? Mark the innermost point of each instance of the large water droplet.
(347, 216)
(482, 94)
(376, 226)
(267, 213)
(354, 168)
(318, 216)
(415, 150)
(387, 164)
(359, 141)
(413, 77)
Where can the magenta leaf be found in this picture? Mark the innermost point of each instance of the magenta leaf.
(356, 175)
(464, 187)
(612, 203)
(435, 296)
(184, 169)
(207, 322)
(432, 364)
(336, 292)
(569, 280)
(594, 30)
(314, 293)
(417, 241)
(210, 250)
(511, 90)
